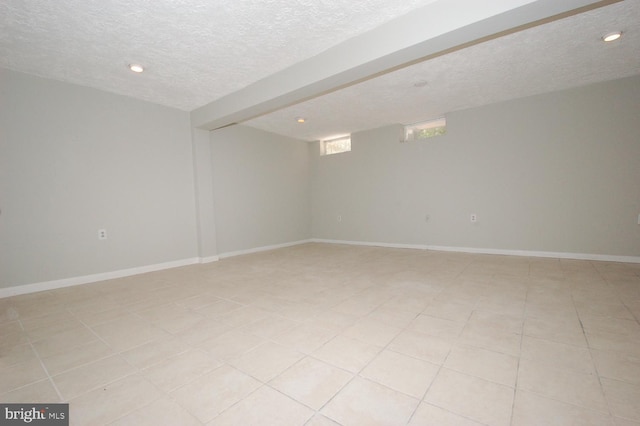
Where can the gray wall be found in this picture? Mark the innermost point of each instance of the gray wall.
(261, 189)
(558, 172)
(74, 160)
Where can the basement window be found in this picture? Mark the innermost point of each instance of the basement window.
(425, 130)
(335, 146)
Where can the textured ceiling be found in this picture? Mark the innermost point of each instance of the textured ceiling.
(558, 55)
(197, 51)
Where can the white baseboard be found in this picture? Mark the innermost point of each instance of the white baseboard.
(263, 248)
(370, 244)
(86, 279)
(526, 253)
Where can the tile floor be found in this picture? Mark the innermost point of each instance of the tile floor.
(323, 334)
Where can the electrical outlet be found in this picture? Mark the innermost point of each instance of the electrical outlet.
(474, 217)
(426, 218)
(102, 234)
(339, 218)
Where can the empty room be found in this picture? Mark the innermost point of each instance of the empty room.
(320, 212)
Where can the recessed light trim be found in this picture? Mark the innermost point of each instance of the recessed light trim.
(612, 36)
(300, 120)
(136, 68)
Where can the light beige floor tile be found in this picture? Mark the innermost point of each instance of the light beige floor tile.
(110, 402)
(618, 421)
(243, 316)
(430, 415)
(372, 332)
(437, 327)
(594, 324)
(128, 332)
(211, 394)
(93, 306)
(266, 361)
(471, 397)
(230, 345)
(199, 301)
(38, 392)
(269, 327)
(153, 352)
(400, 372)
(265, 406)
(614, 342)
(49, 325)
(7, 312)
(171, 317)
(21, 374)
(333, 320)
(449, 308)
(219, 308)
(162, 411)
(619, 366)
(208, 328)
(11, 355)
(92, 351)
(557, 355)
(431, 293)
(320, 420)
(349, 354)
(363, 402)
(534, 410)
(493, 339)
(613, 310)
(507, 324)
(391, 316)
(34, 309)
(305, 338)
(12, 335)
(623, 399)
(311, 382)
(180, 369)
(63, 342)
(564, 385)
(90, 318)
(90, 376)
(420, 345)
(556, 329)
(356, 307)
(489, 365)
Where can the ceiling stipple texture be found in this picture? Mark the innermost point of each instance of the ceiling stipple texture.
(198, 51)
(194, 51)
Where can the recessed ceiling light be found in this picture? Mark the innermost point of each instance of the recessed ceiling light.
(420, 83)
(136, 68)
(612, 36)
(300, 120)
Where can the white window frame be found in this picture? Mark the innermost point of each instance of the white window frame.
(425, 130)
(335, 145)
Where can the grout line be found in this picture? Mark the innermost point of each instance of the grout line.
(515, 385)
(44, 367)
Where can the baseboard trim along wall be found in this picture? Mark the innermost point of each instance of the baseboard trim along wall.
(525, 253)
(87, 279)
(263, 248)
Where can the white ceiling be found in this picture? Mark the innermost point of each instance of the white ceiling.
(198, 51)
